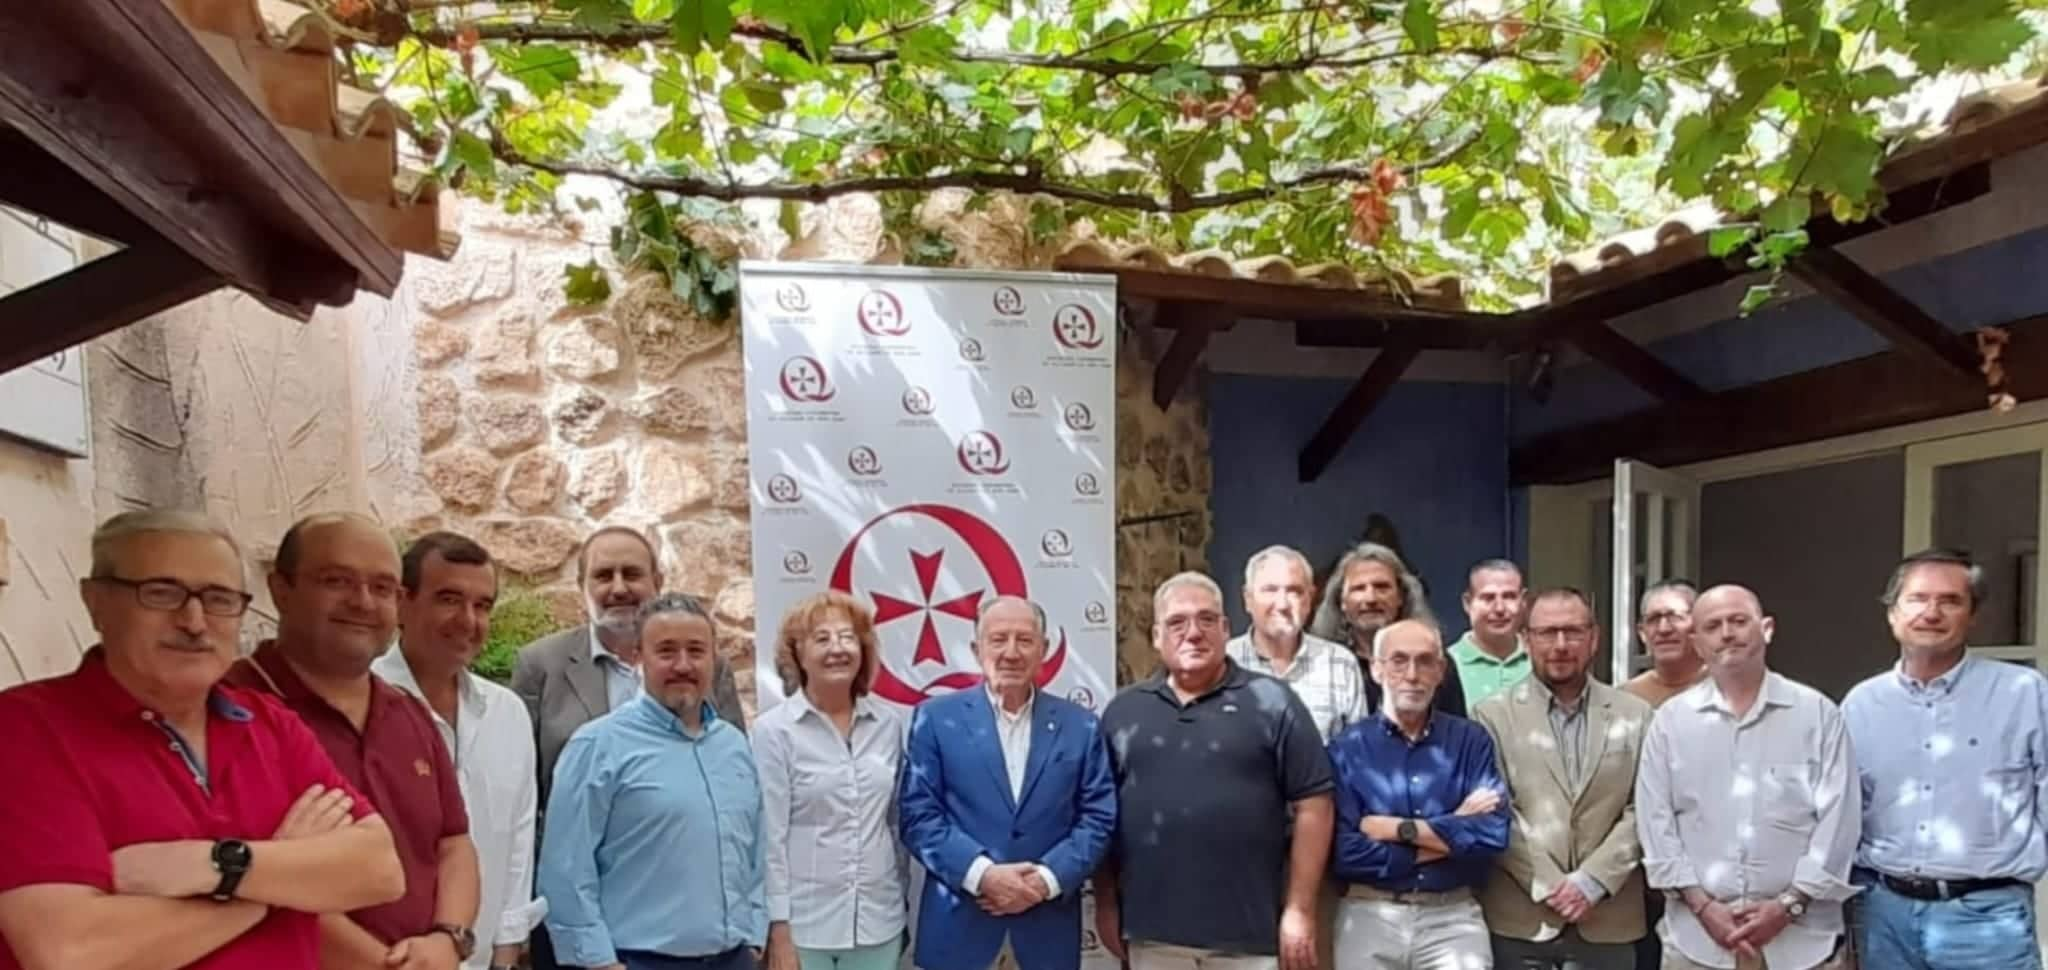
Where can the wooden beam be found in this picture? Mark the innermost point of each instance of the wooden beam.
(1194, 323)
(40, 184)
(1554, 322)
(1379, 378)
(1269, 299)
(1869, 299)
(1879, 391)
(86, 114)
(103, 295)
(1636, 363)
(1465, 331)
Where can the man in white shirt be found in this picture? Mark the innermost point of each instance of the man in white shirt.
(444, 615)
(1748, 805)
(1278, 594)
(1007, 800)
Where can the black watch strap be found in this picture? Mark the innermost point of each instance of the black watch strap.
(231, 860)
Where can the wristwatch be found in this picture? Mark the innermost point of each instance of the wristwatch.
(231, 860)
(464, 937)
(1405, 831)
(1794, 903)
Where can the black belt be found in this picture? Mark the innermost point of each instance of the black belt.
(1940, 889)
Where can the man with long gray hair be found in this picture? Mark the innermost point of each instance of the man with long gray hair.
(1372, 588)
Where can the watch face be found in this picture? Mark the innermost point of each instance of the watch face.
(232, 854)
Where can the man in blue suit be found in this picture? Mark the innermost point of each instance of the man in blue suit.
(1006, 798)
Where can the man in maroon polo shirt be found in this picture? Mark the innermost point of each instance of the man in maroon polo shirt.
(158, 818)
(336, 585)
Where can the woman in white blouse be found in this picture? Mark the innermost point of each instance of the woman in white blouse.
(837, 896)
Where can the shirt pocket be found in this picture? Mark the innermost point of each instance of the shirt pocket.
(1786, 798)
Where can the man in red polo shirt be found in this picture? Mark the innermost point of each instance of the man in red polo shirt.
(336, 585)
(158, 818)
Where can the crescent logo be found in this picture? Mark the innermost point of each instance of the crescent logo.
(970, 350)
(1056, 544)
(1074, 327)
(803, 379)
(981, 453)
(917, 400)
(994, 570)
(881, 314)
(792, 298)
(862, 460)
(1085, 484)
(1079, 418)
(1009, 302)
(795, 563)
(783, 490)
(1022, 397)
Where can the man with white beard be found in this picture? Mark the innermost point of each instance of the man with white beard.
(571, 678)
(1278, 594)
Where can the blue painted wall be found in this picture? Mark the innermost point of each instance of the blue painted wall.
(1432, 457)
(1990, 284)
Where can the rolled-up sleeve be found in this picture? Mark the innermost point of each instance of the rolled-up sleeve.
(1665, 864)
(1823, 871)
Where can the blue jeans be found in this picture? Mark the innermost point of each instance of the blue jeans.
(1990, 929)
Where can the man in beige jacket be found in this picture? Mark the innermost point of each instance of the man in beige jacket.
(1570, 885)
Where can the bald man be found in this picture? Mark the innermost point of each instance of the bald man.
(336, 583)
(1748, 805)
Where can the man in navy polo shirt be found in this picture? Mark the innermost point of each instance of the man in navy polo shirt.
(336, 583)
(1210, 761)
(1421, 813)
(161, 819)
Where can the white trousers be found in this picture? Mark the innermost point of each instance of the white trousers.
(1381, 934)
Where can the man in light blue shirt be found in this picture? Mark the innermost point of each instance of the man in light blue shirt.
(1953, 753)
(653, 858)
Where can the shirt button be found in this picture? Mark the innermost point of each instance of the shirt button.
(149, 715)
(1417, 779)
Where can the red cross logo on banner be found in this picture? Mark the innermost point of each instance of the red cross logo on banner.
(927, 570)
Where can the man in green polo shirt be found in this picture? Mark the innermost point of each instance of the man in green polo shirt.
(1490, 656)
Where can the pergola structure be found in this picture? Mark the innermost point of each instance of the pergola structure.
(213, 143)
(1939, 370)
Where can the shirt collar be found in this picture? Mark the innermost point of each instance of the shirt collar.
(396, 670)
(1233, 676)
(600, 652)
(1550, 700)
(1944, 684)
(1385, 716)
(995, 702)
(276, 673)
(115, 700)
(1467, 650)
(1775, 693)
(863, 706)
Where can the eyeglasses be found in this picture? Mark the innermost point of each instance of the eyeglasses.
(1567, 634)
(170, 596)
(1402, 663)
(1178, 624)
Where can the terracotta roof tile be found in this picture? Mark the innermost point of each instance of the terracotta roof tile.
(1444, 292)
(281, 54)
(1681, 236)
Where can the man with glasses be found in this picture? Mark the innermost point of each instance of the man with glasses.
(336, 584)
(1953, 752)
(1421, 812)
(159, 817)
(1664, 622)
(1568, 891)
(1205, 872)
(1747, 805)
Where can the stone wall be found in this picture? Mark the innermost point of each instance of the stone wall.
(535, 422)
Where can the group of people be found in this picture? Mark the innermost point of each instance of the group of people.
(1334, 788)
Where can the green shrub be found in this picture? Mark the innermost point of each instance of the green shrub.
(520, 618)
